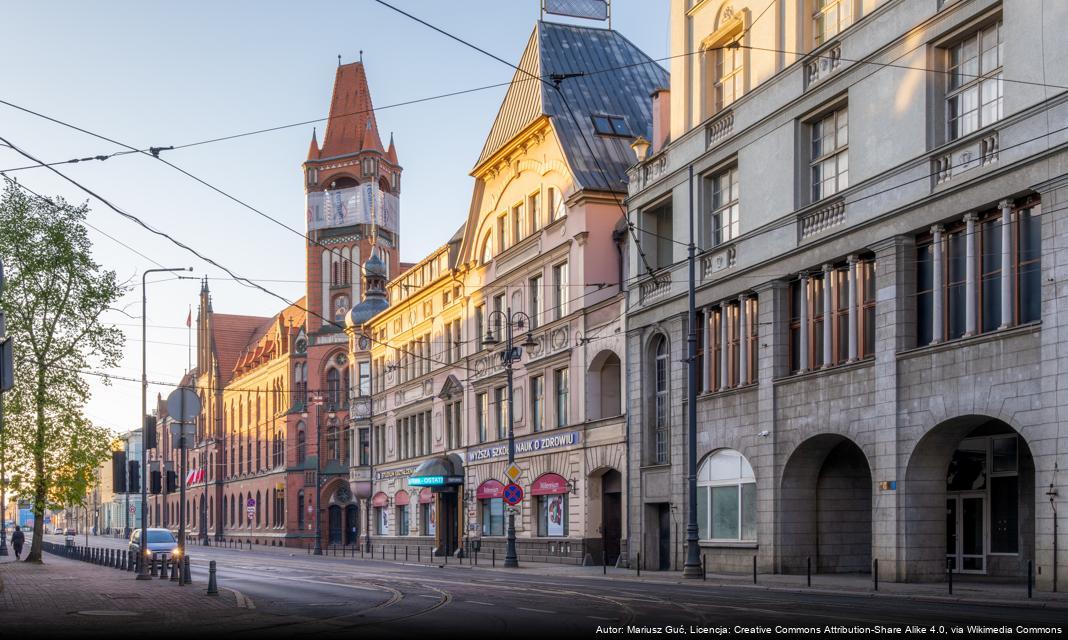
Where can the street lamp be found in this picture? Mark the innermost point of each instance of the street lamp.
(511, 353)
(142, 568)
(317, 400)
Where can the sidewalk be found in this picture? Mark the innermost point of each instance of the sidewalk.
(61, 596)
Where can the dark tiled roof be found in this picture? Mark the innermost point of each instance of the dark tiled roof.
(618, 80)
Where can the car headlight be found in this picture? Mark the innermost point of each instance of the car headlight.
(176, 552)
(148, 552)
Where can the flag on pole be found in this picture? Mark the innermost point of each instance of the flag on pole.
(189, 318)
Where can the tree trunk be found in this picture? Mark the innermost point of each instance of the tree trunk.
(40, 488)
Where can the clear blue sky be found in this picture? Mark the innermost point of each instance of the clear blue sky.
(157, 74)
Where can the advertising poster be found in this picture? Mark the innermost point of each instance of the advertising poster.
(555, 507)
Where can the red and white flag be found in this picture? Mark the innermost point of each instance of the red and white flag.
(195, 476)
(189, 318)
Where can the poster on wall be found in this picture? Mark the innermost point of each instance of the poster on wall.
(432, 521)
(554, 506)
(383, 521)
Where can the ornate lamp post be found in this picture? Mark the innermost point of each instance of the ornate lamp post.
(509, 321)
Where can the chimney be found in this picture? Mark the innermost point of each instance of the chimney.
(661, 118)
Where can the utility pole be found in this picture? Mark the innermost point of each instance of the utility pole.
(142, 568)
(510, 354)
(692, 567)
(6, 380)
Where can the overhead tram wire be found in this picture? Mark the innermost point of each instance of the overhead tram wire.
(199, 254)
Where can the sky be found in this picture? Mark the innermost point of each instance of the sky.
(160, 74)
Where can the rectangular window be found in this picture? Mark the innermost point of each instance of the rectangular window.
(552, 515)
(560, 290)
(364, 439)
(381, 521)
(402, 520)
(365, 378)
(500, 401)
(482, 415)
(497, 314)
(557, 210)
(534, 210)
(956, 293)
(723, 223)
(1028, 265)
(829, 164)
(924, 293)
(519, 223)
(989, 243)
(729, 79)
(866, 299)
(480, 325)
(829, 18)
(753, 337)
(502, 231)
(536, 304)
(492, 517)
(974, 82)
(457, 342)
(537, 403)
(1004, 514)
(560, 391)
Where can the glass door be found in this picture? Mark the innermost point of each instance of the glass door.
(966, 533)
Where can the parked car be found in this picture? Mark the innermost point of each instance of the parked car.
(71, 532)
(159, 541)
(58, 531)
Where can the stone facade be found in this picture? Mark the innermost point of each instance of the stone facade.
(859, 424)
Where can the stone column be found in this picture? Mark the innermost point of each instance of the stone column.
(1006, 264)
(743, 340)
(723, 320)
(710, 364)
(937, 324)
(852, 308)
(772, 361)
(828, 313)
(803, 359)
(970, 289)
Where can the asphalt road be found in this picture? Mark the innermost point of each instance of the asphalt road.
(304, 595)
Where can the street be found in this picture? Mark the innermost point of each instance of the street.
(300, 594)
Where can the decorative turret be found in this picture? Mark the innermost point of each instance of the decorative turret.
(375, 299)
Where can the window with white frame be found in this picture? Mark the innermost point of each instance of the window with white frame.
(482, 415)
(974, 82)
(723, 223)
(537, 403)
(726, 498)
(560, 290)
(561, 392)
(829, 18)
(829, 162)
(500, 403)
(536, 301)
(534, 210)
(728, 78)
(661, 400)
(519, 223)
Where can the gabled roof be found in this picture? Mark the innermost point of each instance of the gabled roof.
(352, 126)
(232, 333)
(262, 344)
(618, 79)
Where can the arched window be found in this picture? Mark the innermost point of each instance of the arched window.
(259, 507)
(240, 506)
(726, 497)
(302, 449)
(603, 382)
(332, 443)
(333, 387)
(661, 408)
(487, 249)
(300, 509)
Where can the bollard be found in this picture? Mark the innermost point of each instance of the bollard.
(177, 563)
(704, 568)
(494, 558)
(808, 580)
(418, 554)
(152, 566)
(361, 552)
(383, 552)
(949, 575)
(174, 571)
(406, 553)
(163, 563)
(213, 587)
(394, 553)
(604, 562)
(875, 573)
(187, 574)
(1030, 576)
(754, 569)
(638, 562)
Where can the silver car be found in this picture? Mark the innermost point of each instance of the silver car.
(159, 542)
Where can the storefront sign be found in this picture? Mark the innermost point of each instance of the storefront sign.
(435, 481)
(549, 484)
(489, 489)
(387, 474)
(528, 445)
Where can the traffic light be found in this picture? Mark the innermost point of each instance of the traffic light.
(172, 481)
(150, 432)
(155, 485)
(118, 471)
(134, 485)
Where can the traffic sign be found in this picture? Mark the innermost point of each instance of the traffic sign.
(513, 494)
(513, 472)
(251, 502)
(183, 404)
(251, 511)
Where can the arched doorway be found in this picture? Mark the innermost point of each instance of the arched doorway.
(969, 501)
(352, 524)
(334, 526)
(604, 515)
(825, 511)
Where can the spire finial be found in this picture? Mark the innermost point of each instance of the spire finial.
(339, 59)
(361, 56)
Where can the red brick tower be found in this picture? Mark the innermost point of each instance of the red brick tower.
(352, 184)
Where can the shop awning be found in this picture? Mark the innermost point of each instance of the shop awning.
(380, 499)
(548, 484)
(401, 498)
(489, 489)
(442, 471)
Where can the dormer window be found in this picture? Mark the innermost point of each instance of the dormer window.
(611, 126)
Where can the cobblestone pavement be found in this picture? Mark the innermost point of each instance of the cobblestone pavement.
(39, 600)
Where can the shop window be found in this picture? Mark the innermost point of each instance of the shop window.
(552, 515)
(492, 516)
(726, 497)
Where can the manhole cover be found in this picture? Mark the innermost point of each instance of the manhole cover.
(112, 613)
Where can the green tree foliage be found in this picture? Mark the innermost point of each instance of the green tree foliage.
(54, 297)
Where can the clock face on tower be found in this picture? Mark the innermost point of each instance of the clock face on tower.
(302, 345)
